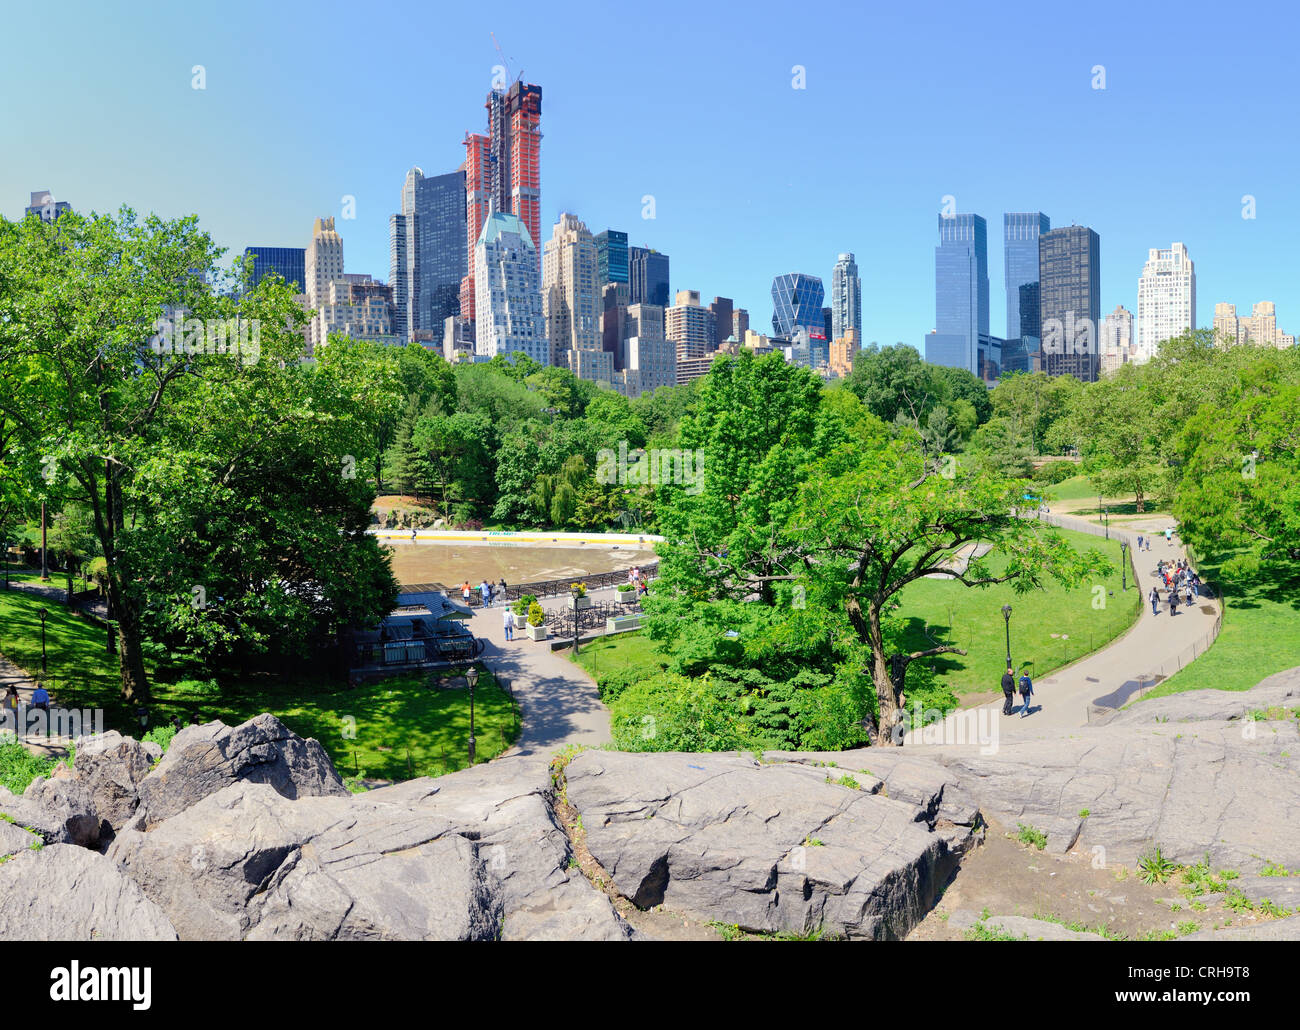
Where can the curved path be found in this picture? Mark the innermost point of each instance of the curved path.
(1152, 649)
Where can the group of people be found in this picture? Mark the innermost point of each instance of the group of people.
(638, 581)
(1009, 692)
(1181, 584)
(487, 592)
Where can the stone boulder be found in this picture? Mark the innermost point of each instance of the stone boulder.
(1266, 930)
(14, 839)
(61, 811)
(111, 767)
(768, 847)
(1281, 690)
(64, 893)
(203, 760)
(476, 855)
(1020, 927)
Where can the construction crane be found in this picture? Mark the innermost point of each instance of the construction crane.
(505, 61)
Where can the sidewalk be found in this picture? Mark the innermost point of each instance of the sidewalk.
(1061, 699)
(559, 702)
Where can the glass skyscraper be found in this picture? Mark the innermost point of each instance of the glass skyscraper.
(797, 301)
(647, 277)
(611, 257)
(1020, 232)
(961, 294)
(428, 252)
(846, 299)
(289, 262)
(1069, 263)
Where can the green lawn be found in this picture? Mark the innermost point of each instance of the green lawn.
(1260, 634)
(1076, 488)
(367, 730)
(941, 611)
(944, 612)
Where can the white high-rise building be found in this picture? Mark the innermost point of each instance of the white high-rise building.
(507, 295)
(1116, 339)
(571, 301)
(324, 265)
(846, 299)
(1166, 304)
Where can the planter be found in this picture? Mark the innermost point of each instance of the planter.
(621, 623)
(537, 632)
(582, 602)
(521, 621)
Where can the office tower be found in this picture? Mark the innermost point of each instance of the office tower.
(507, 299)
(358, 307)
(571, 301)
(846, 298)
(290, 263)
(1260, 328)
(1020, 232)
(828, 324)
(961, 295)
(1166, 299)
(1117, 339)
(650, 358)
(613, 322)
(322, 265)
(648, 276)
(690, 327)
(611, 257)
(45, 207)
(458, 338)
(722, 310)
(797, 303)
(1069, 278)
(503, 171)
(739, 324)
(428, 251)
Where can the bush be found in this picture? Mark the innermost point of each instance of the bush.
(18, 766)
(524, 605)
(1054, 472)
(536, 614)
(160, 735)
(669, 712)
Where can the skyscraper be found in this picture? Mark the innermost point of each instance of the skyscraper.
(1069, 276)
(428, 254)
(1117, 339)
(611, 256)
(846, 298)
(691, 327)
(1020, 232)
(1260, 328)
(722, 309)
(648, 277)
(1166, 299)
(797, 303)
(571, 301)
(503, 170)
(323, 265)
(45, 207)
(961, 296)
(508, 299)
(290, 263)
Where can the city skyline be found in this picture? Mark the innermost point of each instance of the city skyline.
(254, 174)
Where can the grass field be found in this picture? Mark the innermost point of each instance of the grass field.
(1260, 634)
(366, 730)
(941, 611)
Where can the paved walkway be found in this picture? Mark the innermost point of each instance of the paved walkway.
(1152, 649)
(559, 701)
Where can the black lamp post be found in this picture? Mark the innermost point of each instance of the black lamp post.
(575, 593)
(1006, 617)
(471, 677)
(4, 546)
(1105, 520)
(43, 613)
(1123, 565)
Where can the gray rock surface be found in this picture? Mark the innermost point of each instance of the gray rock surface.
(1268, 930)
(1281, 690)
(111, 767)
(1021, 927)
(61, 811)
(768, 847)
(477, 855)
(203, 760)
(14, 839)
(66, 893)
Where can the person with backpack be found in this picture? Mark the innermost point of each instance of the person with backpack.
(1026, 692)
(1155, 601)
(1008, 691)
(1173, 601)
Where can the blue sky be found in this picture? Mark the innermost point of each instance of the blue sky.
(693, 103)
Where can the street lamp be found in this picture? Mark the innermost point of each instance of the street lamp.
(4, 546)
(42, 614)
(1105, 520)
(1006, 616)
(1123, 565)
(575, 593)
(471, 677)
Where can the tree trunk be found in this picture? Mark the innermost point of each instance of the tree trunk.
(889, 713)
(130, 651)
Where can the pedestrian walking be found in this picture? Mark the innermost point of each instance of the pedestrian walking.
(1026, 693)
(465, 591)
(1187, 595)
(509, 620)
(1139, 541)
(1173, 602)
(1008, 691)
(1196, 585)
(1155, 601)
(501, 588)
(485, 588)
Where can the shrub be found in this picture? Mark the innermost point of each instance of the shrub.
(160, 735)
(524, 605)
(669, 712)
(580, 587)
(1054, 472)
(536, 614)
